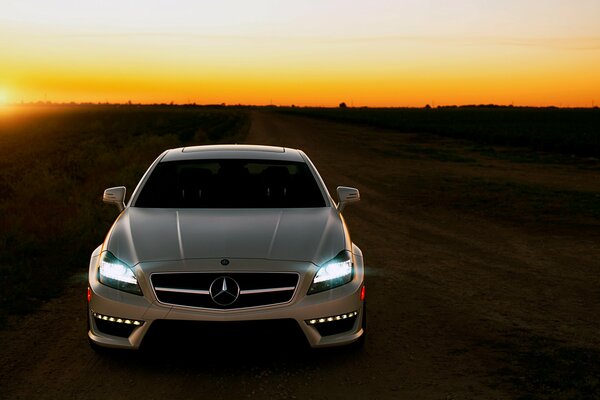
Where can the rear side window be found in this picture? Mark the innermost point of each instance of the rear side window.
(230, 183)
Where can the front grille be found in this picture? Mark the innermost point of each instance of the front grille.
(253, 289)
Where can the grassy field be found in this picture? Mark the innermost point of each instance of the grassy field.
(57, 160)
(567, 131)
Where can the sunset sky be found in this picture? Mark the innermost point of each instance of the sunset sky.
(310, 52)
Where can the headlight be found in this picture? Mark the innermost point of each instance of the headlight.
(334, 273)
(116, 274)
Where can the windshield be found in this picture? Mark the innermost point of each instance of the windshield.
(230, 183)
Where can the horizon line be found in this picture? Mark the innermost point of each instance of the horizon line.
(223, 104)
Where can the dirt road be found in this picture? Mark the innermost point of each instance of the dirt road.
(466, 299)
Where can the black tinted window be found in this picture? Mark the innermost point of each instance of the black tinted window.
(230, 184)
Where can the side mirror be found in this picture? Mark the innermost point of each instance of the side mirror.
(116, 196)
(346, 195)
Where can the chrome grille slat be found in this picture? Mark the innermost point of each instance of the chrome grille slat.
(175, 290)
(271, 290)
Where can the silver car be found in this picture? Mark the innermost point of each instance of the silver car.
(241, 238)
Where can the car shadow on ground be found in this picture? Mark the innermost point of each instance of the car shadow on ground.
(231, 353)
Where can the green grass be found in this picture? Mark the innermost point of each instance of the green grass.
(566, 131)
(57, 160)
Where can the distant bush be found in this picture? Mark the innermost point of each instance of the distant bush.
(569, 131)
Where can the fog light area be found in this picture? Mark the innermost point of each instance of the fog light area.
(332, 318)
(118, 320)
(334, 324)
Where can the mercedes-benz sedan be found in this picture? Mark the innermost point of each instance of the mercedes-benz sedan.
(240, 237)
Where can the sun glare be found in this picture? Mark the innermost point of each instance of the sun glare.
(5, 108)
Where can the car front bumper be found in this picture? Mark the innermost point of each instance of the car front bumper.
(137, 314)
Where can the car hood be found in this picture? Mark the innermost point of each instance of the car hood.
(308, 234)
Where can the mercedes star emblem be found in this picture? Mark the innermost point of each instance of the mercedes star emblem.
(224, 291)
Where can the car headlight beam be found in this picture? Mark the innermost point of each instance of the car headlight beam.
(334, 273)
(117, 274)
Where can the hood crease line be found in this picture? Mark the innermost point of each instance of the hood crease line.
(179, 241)
(274, 234)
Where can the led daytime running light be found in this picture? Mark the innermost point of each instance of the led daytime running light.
(125, 321)
(332, 318)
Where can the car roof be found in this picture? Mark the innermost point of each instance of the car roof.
(233, 151)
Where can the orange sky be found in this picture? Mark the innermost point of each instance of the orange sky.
(376, 53)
